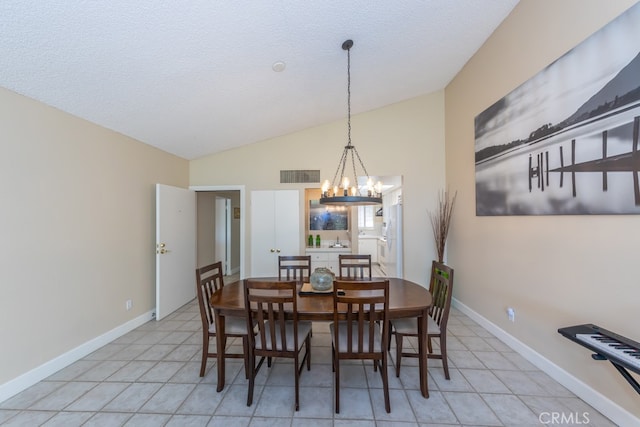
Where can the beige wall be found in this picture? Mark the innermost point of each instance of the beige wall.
(402, 139)
(554, 270)
(78, 230)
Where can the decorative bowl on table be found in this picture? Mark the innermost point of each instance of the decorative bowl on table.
(321, 279)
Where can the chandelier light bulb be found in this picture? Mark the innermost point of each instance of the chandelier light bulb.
(345, 182)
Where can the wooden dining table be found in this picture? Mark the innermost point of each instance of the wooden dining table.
(406, 299)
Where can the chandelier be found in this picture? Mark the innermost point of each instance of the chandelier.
(339, 191)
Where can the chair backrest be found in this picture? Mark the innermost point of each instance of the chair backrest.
(363, 303)
(208, 281)
(264, 303)
(441, 287)
(294, 267)
(354, 266)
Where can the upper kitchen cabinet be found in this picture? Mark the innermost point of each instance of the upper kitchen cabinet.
(275, 229)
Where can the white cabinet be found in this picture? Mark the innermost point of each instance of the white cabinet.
(369, 246)
(275, 229)
(326, 258)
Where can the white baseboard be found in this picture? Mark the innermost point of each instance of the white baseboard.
(604, 405)
(16, 385)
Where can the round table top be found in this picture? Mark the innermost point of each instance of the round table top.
(406, 299)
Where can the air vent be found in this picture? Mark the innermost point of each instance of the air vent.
(299, 176)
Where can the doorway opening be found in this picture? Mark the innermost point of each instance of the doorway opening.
(220, 228)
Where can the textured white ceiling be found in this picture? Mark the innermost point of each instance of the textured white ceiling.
(194, 77)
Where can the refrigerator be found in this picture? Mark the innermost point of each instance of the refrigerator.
(393, 231)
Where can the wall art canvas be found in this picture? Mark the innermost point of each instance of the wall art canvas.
(324, 217)
(565, 142)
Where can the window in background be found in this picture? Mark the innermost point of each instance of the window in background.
(365, 216)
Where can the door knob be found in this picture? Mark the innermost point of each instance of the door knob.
(272, 250)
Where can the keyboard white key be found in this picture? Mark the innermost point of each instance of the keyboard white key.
(611, 346)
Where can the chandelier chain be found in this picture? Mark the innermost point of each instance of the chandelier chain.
(349, 96)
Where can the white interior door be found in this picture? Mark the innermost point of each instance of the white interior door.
(275, 229)
(223, 231)
(287, 225)
(175, 248)
(263, 243)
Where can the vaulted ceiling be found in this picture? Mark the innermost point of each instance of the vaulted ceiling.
(197, 77)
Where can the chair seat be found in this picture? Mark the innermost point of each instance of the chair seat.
(409, 326)
(342, 334)
(232, 326)
(304, 329)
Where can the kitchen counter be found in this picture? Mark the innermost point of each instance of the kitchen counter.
(328, 249)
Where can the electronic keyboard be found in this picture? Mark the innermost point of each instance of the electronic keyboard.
(622, 352)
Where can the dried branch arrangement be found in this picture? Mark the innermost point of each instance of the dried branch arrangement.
(441, 220)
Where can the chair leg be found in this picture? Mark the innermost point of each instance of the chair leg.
(308, 353)
(333, 359)
(245, 348)
(297, 381)
(398, 353)
(336, 366)
(385, 384)
(205, 353)
(443, 354)
(252, 377)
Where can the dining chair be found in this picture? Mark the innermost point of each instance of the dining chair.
(294, 267)
(359, 309)
(208, 280)
(440, 287)
(354, 266)
(279, 333)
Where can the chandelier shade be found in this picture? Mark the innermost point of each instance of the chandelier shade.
(338, 192)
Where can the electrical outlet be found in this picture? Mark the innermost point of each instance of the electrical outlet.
(128, 304)
(512, 314)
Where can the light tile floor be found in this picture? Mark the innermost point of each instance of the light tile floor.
(149, 377)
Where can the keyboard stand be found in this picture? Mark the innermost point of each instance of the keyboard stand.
(572, 331)
(627, 376)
